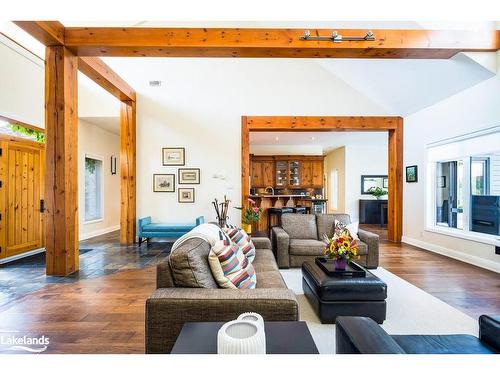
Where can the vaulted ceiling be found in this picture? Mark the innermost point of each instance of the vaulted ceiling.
(400, 87)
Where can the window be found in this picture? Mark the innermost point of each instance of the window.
(93, 189)
(466, 184)
(479, 172)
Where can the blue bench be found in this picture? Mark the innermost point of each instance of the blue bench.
(148, 230)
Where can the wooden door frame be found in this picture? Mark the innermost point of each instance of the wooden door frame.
(392, 124)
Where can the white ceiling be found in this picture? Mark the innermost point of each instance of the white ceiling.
(400, 87)
(326, 140)
(403, 87)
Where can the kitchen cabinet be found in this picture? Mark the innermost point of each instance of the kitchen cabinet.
(289, 171)
(306, 173)
(282, 173)
(262, 173)
(294, 179)
(317, 173)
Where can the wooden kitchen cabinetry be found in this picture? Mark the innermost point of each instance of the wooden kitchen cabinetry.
(293, 171)
(262, 171)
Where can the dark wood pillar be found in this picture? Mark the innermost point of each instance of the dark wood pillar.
(128, 172)
(61, 181)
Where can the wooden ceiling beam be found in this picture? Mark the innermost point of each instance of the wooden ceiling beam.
(104, 76)
(232, 42)
(322, 123)
(49, 33)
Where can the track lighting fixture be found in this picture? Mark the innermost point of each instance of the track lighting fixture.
(337, 38)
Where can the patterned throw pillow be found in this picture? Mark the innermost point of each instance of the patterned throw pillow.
(242, 239)
(230, 267)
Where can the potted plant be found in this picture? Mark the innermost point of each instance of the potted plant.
(377, 192)
(342, 249)
(250, 214)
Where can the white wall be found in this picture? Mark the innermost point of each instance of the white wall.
(97, 142)
(363, 159)
(470, 110)
(199, 107)
(22, 77)
(21, 84)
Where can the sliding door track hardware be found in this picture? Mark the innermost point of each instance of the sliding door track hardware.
(337, 38)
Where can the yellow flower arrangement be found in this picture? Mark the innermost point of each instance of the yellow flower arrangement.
(341, 246)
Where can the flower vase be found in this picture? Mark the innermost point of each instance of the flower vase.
(340, 264)
(247, 228)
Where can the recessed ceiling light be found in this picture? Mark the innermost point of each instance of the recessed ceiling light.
(155, 83)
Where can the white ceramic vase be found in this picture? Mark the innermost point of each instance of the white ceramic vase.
(241, 337)
(253, 317)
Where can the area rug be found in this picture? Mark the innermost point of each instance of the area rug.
(410, 310)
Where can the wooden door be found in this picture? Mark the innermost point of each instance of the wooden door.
(22, 175)
(317, 173)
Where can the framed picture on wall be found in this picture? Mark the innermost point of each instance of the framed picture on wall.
(189, 175)
(186, 195)
(441, 182)
(173, 156)
(164, 183)
(412, 173)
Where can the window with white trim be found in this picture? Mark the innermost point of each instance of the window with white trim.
(93, 189)
(464, 184)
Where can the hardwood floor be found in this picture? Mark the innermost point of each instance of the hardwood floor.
(105, 314)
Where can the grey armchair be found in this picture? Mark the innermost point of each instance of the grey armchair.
(300, 238)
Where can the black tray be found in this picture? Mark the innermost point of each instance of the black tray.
(352, 269)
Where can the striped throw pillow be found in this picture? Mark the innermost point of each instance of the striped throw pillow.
(242, 239)
(230, 267)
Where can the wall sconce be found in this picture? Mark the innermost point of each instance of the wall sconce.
(113, 164)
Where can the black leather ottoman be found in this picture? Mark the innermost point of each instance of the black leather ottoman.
(335, 296)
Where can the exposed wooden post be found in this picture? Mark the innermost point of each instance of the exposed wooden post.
(245, 161)
(395, 200)
(128, 172)
(61, 184)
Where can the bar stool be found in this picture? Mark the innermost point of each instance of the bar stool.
(276, 212)
(299, 210)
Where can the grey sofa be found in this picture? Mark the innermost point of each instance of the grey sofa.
(300, 238)
(173, 303)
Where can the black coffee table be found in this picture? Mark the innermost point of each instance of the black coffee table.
(281, 338)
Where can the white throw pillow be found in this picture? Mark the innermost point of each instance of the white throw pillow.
(352, 228)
